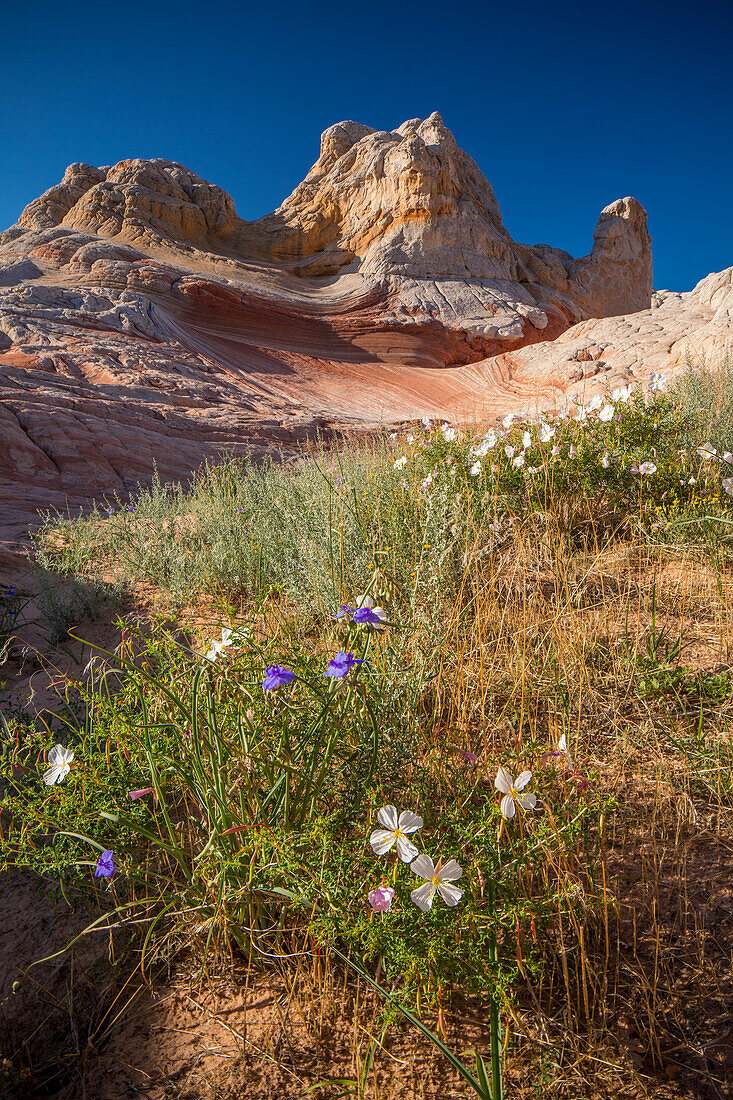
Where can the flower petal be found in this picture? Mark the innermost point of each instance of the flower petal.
(387, 816)
(406, 849)
(381, 841)
(423, 896)
(423, 866)
(53, 774)
(503, 781)
(527, 801)
(409, 822)
(522, 780)
(450, 894)
(450, 872)
(507, 807)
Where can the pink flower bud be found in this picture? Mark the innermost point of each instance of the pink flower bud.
(380, 899)
(138, 794)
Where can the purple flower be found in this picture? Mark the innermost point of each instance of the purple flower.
(380, 899)
(369, 615)
(105, 865)
(341, 663)
(339, 480)
(471, 757)
(277, 676)
(110, 511)
(345, 611)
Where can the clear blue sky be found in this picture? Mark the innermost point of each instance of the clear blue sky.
(565, 107)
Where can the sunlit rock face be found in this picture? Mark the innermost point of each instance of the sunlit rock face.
(142, 321)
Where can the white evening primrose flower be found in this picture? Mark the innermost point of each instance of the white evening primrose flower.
(595, 403)
(489, 440)
(545, 432)
(573, 452)
(439, 878)
(393, 435)
(518, 462)
(555, 451)
(402, 461)
(581, 414)
(395, 832)
(480, 450)
(475, 469)
(532, 470)
(410, 439)
(509, 452)
(728, 485)
(706, 451)
(449, 434)
(606, 413)
(427, 482)
(606, 460)
(427, 423)
(647, 468)
(657, 381)
(511, 790)
(562, 746)
(60, 760)
(526, 440)
(508, 420)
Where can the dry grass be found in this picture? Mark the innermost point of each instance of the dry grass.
(634, 997)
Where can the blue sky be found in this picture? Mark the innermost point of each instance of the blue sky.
(565, 107)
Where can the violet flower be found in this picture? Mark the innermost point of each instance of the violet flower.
(277, 676)
(105, 865)
(340, 664)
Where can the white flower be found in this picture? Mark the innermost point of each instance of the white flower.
(606, 460)
(509, 451)
(410, 439)
(395, 832)
(581, 414)
(647, 468)
(480, 450)
(228, 637)
(449, 434)
(657, 381)
(400, 462)
(508, 420)
(692, 481)
(555, 451)
(427, 423)
(573, 452)
(489, 440)
(60, 760)
(393, 435)
(439, 878)
(526, 440)
(427, 482)
(512, 792)
(531, 470)
(606, 413)
(595, 403)
(562, 746)
(728, 485)
(518, 462)
(706, 451)
(546, 433)
(475, 469)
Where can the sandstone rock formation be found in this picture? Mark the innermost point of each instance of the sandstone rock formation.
(142, 321)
